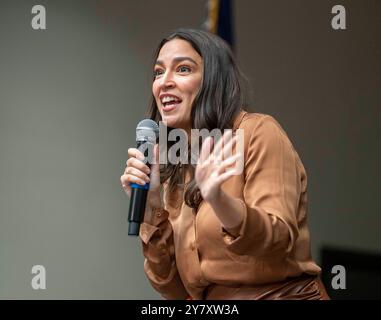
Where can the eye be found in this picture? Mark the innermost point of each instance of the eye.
(157, 72)
(184, 69)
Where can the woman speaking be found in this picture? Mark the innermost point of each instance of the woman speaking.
(210, 232)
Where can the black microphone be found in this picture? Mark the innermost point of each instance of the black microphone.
(147, 133)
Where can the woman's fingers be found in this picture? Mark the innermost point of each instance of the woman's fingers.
(217, 151)
(155, 169)
(228, 148)
(137, 164)
(227, 163)
(135, 153)
(126, 179)
(225, 171)
(222, 149)
(206, 150)
(210, 171)
(137, 173)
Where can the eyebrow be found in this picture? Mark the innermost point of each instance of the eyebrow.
(176, 60)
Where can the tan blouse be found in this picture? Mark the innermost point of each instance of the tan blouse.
(187, 251)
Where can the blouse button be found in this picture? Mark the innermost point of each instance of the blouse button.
(229, 238)
(158, 214)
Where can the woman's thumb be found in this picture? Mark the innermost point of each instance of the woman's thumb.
(156, 152)
(155, 167)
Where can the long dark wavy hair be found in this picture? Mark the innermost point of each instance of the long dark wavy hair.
(220, 99)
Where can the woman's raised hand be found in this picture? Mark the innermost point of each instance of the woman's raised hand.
(214, 167)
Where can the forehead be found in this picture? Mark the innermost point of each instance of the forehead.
(178, 48)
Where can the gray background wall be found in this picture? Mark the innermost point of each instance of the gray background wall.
(71, 96)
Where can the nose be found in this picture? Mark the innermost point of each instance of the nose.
(168, 81)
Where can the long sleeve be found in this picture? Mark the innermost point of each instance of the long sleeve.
(271, 193)
(158, 249)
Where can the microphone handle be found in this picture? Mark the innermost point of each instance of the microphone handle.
(137, 207)
(137, 202)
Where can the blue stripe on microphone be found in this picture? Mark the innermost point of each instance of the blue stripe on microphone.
(139, 186)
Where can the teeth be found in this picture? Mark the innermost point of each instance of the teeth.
(168, 99)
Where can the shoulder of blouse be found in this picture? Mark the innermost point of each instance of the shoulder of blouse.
(262, 126)
(250, 121)
(246, 118)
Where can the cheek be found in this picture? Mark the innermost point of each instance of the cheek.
(193, 87)
(155, 90)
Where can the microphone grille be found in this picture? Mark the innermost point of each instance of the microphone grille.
(147, 130)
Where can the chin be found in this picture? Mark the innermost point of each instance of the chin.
(170, 122)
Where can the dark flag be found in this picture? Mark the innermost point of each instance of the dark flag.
(220, 19)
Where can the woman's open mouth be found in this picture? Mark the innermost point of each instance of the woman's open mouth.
(170, 106)
(170, 102)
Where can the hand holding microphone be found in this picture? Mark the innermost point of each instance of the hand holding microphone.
(141, 178)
